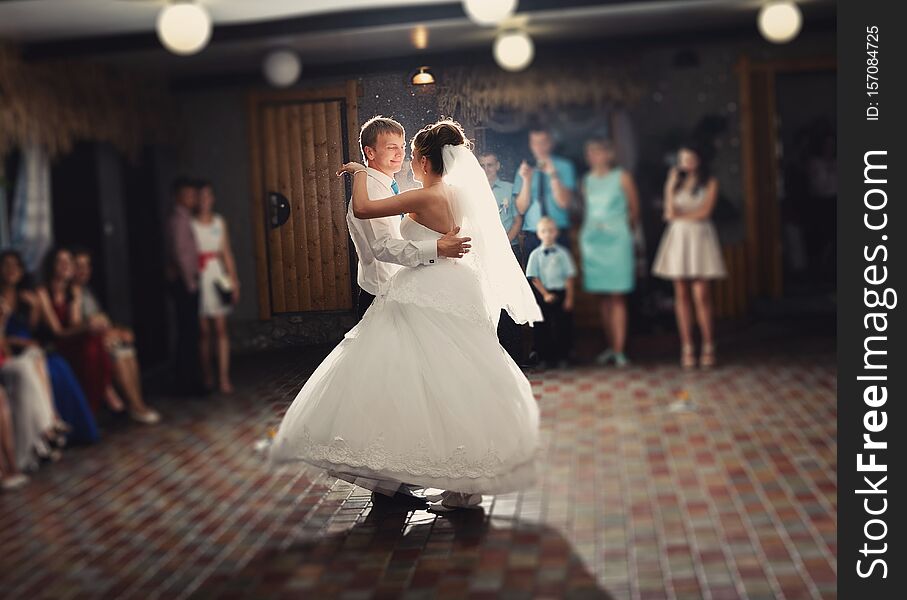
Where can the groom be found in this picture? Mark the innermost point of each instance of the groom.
(382, 250)
(378, 243)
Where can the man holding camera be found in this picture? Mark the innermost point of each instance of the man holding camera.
(545, 190)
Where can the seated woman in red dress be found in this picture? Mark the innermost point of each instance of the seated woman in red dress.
(80, 341)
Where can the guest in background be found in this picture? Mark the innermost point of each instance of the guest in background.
(689, 253)
(24, 308)
(39, 432)
(81, 342)
(119, 341)
(544, 191)
(552, 272)
(511, 219)
(182, 279)
(509, 333)
(11, 478)
(606, 243)
(218, 287)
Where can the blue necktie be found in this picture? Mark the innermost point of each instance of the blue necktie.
(396, 189)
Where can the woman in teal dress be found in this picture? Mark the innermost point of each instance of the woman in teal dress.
(606, 243)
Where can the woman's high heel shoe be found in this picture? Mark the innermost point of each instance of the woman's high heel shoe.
(13, 482)
(62, 427)
(49, 455)
(148, 416)
(688, 357)
(114, 402)
(605, 357)
(54, 440)
(455, 501)
(707, 359)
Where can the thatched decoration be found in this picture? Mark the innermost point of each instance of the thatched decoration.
(473, 94)
(58, 103)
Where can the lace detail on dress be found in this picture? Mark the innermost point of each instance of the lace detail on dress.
(412, 290)
(415, 462)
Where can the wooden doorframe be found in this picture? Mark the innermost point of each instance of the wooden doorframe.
(762, 226)
(349, 93)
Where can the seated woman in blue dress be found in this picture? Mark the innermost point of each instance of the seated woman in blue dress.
(22, 302)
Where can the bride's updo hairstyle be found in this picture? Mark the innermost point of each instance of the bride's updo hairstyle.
(432, 138)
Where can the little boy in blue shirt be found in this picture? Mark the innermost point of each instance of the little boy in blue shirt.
(552, 272)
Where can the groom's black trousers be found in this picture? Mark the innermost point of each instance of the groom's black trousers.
(363, 302)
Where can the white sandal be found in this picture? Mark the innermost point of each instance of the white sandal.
(14, 482)
(456, 501)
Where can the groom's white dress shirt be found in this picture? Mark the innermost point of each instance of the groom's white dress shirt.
(378, 243)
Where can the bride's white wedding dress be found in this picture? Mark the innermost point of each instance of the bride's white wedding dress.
(420, 392)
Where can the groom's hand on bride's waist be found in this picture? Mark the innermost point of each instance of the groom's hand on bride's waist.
(451, 246)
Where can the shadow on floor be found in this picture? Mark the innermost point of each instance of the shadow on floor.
(388, 554)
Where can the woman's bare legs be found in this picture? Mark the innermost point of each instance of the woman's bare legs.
(223, 353)
(618, 322)
(126, 374)
(40, 361)
(7, 450)
(127, 379)
(703, 299)
(10, 476)
(604, 306)
(114, 402)
(684, 322)
(204, 351)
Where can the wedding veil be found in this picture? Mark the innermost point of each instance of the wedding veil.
(504, 284)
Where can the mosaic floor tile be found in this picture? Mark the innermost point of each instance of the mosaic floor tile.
(734, 498)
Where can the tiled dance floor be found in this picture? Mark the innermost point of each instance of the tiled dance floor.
(656, 484)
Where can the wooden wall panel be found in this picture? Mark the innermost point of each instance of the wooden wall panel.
(326, 222)
(313, 228)
(287, 234)
(338, 225)
(298, 142)
(272, 182)
(299, 214)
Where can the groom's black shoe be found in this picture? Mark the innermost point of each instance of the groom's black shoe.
(399, 500)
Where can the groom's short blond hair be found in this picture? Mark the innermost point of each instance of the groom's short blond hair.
(371, 129)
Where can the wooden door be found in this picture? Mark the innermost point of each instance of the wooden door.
(755, 267)
(299, 139)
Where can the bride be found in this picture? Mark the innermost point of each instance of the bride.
(420, 394)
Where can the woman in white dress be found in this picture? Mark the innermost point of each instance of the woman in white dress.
(29, 399)
(689, 253)
(420, 394)
(218, 287)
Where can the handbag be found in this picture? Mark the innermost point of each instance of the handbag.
(224, 286)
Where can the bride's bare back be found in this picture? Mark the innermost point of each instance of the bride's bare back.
(437, 215)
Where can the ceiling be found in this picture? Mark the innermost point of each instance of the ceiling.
(327, 32)
(43, 20)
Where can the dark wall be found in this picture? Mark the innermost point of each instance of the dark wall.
(75, 190)
(108, 205)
